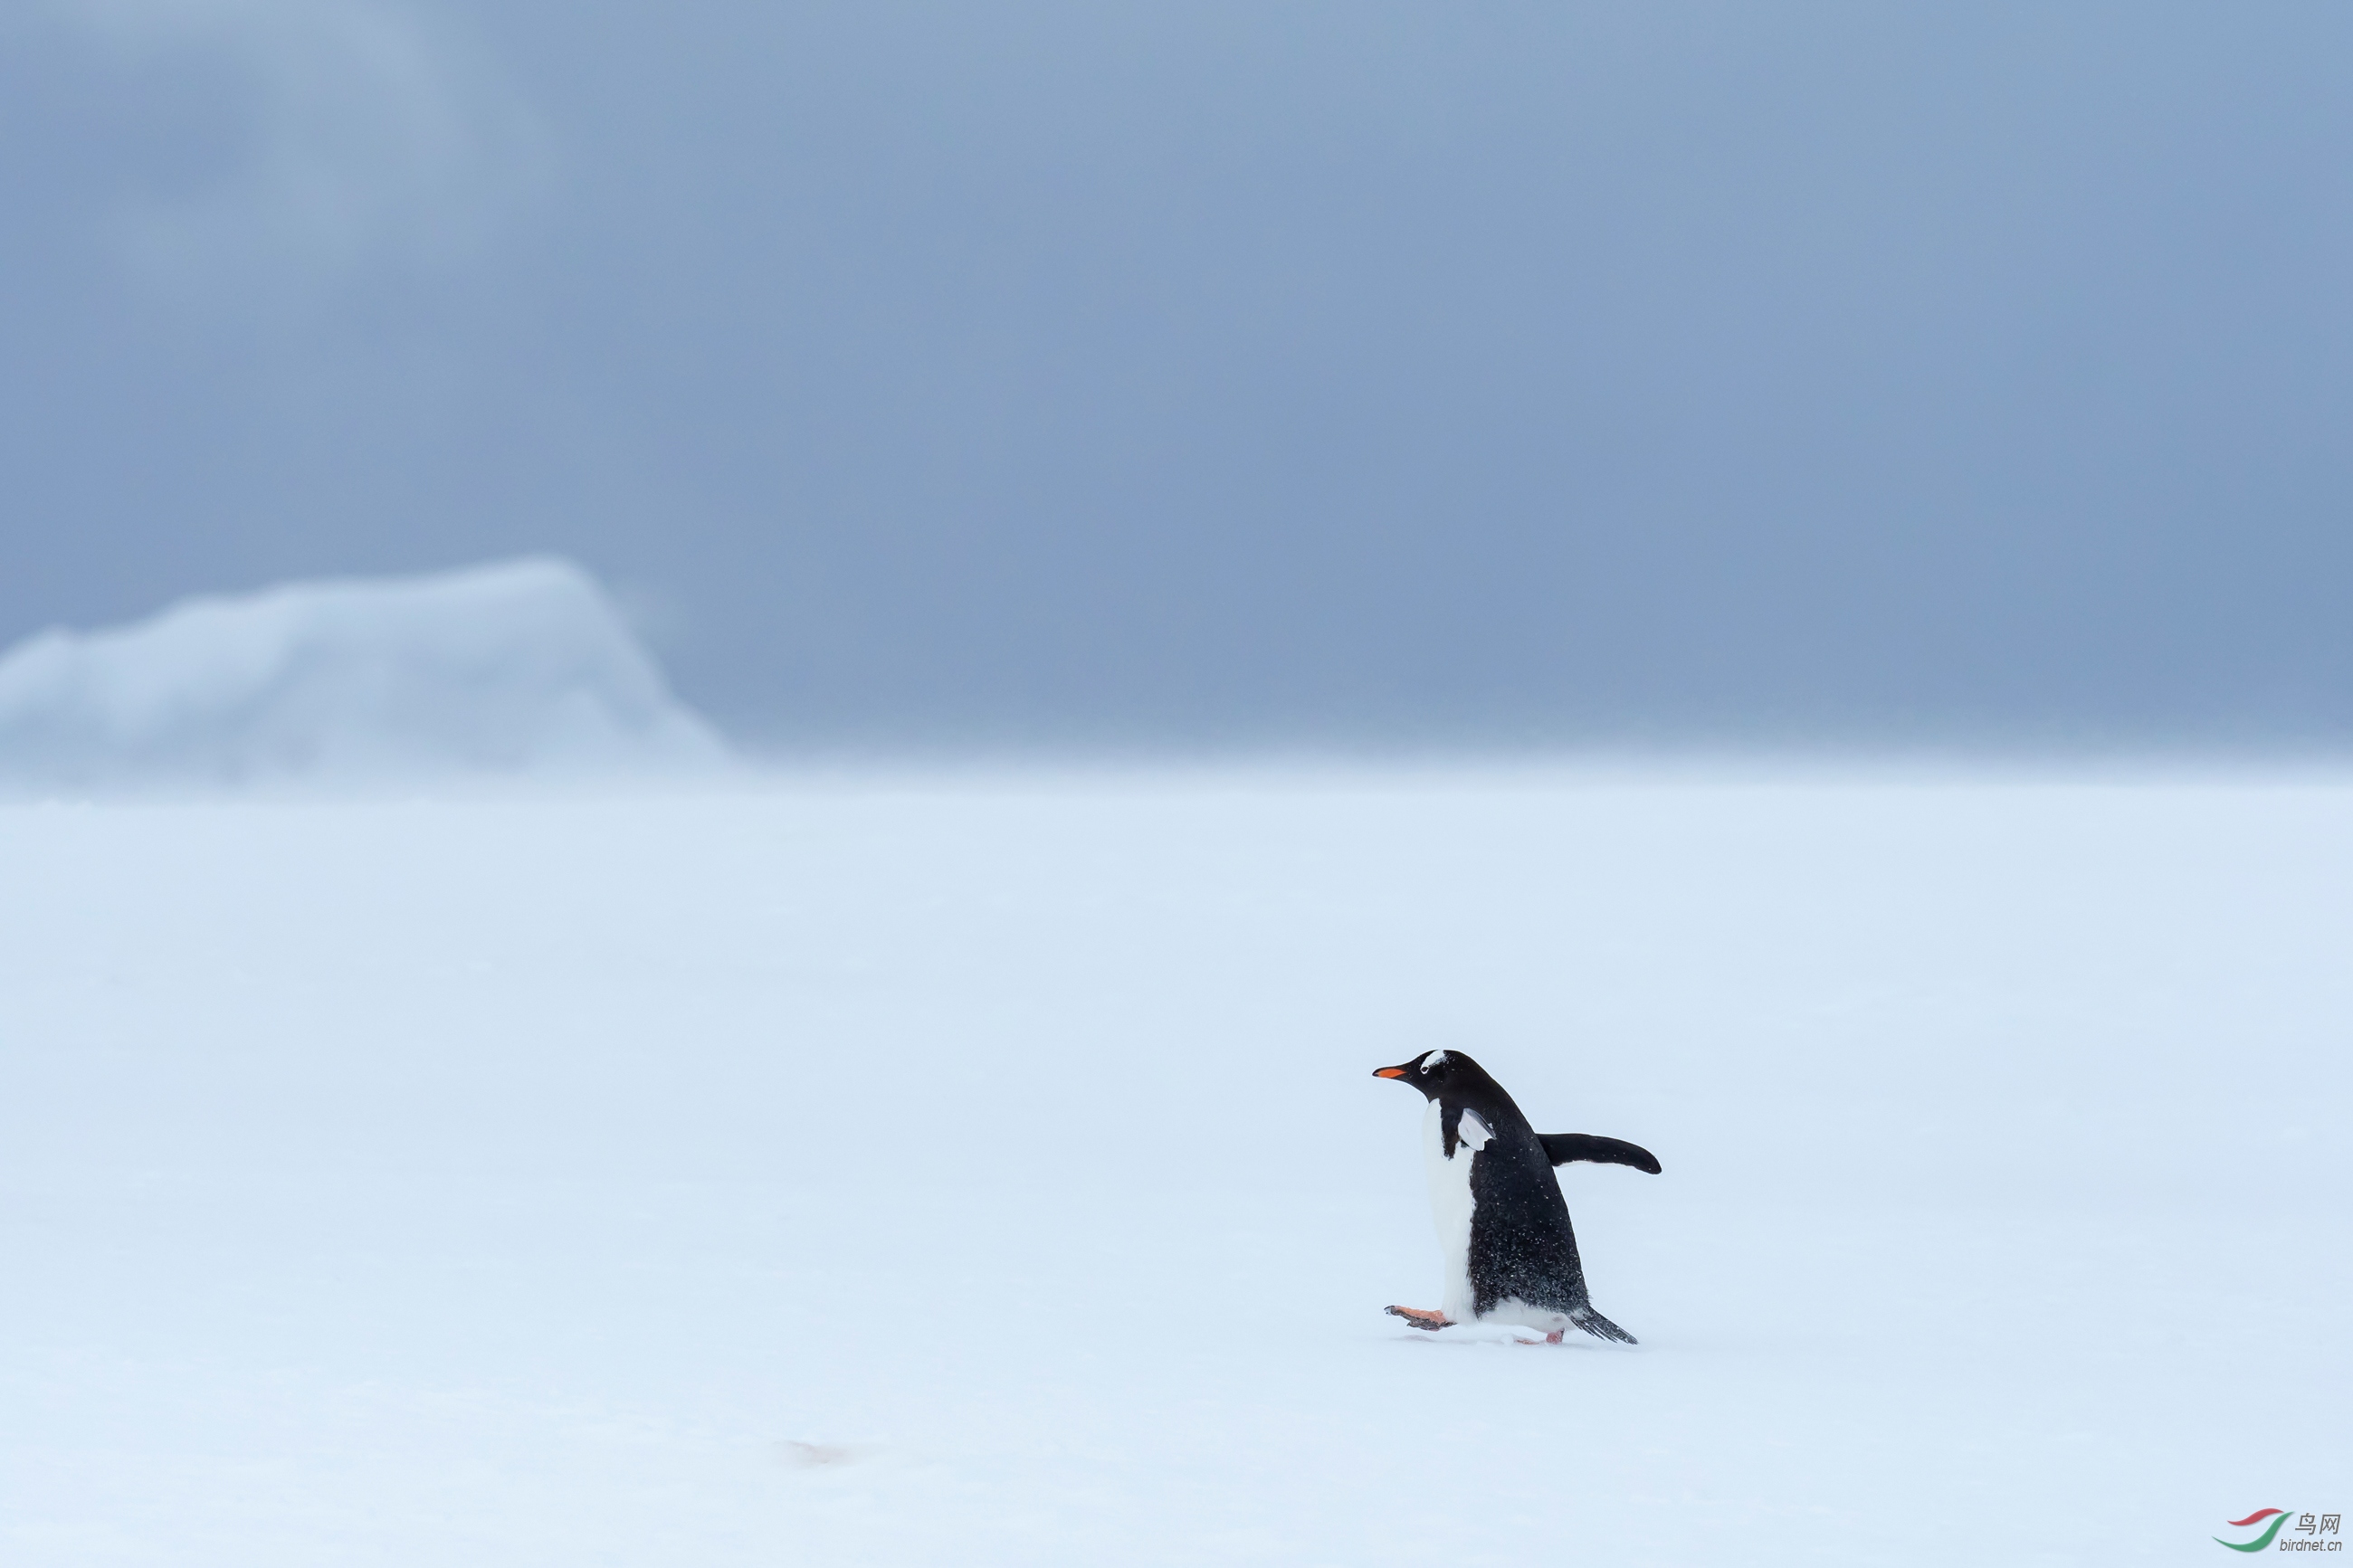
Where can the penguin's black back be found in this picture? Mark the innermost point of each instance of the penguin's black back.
(1520, 1241)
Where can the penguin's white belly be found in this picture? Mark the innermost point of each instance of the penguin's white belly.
(1451, 1203)
(1512, 1309)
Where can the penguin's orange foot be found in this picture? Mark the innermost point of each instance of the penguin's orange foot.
(1420, 1319)
(1554, 1338)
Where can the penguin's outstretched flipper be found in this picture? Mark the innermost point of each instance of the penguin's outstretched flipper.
(1600, 1327)
(1561, 1148)
(1420, 1319)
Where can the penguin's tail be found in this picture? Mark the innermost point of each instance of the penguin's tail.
(1600, 1327)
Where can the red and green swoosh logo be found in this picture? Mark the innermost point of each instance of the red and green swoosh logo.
(2277, 1517)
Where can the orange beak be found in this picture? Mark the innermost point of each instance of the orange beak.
(1389, 1072)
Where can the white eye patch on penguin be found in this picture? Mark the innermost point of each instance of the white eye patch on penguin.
(1504, 1238)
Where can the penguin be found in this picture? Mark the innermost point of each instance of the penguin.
(1503, 1226)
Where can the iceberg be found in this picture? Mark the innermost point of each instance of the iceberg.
(517, 667)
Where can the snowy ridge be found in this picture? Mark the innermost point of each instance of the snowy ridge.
(524, 666)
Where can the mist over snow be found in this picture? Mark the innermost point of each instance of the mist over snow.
(521, 667)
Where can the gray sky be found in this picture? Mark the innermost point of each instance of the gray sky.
(1227, 372)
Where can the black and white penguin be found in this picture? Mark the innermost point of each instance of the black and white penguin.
(1503, 1226)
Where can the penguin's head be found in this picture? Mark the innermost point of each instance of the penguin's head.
(1434, 1072)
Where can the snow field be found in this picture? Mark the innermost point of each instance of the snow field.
(987, 1170)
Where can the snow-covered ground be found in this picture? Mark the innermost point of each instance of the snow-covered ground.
(520, 667)
(987, 1170)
